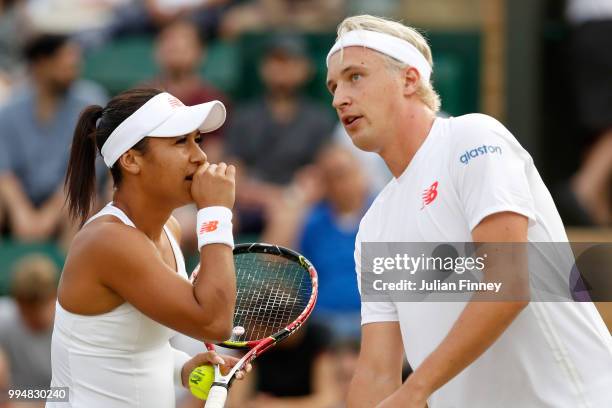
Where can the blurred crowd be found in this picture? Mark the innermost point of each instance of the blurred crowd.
(299, 185)
(300, 182)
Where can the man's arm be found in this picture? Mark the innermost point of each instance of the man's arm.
(379, 368)
(26, 222)
(480, 324)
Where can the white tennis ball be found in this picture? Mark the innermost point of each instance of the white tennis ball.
(200, 381)
(238, 331)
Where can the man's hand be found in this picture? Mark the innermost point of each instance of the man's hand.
(26, 222)
(410, 395)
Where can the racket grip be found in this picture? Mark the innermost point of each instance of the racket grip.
(216, 397)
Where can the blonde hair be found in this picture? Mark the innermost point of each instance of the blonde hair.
(34, 278)
(425, 91)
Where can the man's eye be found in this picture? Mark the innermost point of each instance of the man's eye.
(181, 140)
(355, 77)
(198, 139)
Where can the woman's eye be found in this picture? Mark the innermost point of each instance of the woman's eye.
(355, 77)
(198, 140)
(181, 140)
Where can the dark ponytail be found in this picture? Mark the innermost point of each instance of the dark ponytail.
(89, 138)
(80, 182)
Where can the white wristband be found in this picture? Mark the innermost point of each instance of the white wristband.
(214, 226)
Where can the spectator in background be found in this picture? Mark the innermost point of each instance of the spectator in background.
(4, 380)
(275, 136)
(150, 15)
(35, 135)
(378, 173)
(298, 372)
(588, 199)
(265, 15)
(325, 234)
(180, 51)
(12, 27)
(25, 334)
(346, 354)
(71, 16)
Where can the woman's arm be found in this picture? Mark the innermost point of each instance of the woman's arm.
(130, 265)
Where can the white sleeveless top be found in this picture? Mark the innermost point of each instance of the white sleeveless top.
(118, 359)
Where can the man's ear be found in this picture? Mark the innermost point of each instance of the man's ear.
(410, 81)
(130, 161)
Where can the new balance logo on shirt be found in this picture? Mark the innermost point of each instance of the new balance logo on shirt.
(479, 151)
(430, 194)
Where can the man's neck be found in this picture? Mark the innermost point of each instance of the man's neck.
(180, 76)
(283, 107)
(412, 129)
(47, 101)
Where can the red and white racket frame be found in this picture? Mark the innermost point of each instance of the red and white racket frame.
(218, 391)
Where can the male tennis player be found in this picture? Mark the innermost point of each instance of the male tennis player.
(455, 180)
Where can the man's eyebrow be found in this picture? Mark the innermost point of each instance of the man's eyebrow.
(344, 71)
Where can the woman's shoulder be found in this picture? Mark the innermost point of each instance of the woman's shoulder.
(104, 236)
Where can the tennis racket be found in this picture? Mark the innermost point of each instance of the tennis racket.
(276, 293)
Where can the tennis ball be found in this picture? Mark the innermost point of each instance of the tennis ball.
(200, 381)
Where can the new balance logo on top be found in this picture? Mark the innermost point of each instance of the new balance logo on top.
(479, 151)
(209, 226)
(430, 194)
(174, 102)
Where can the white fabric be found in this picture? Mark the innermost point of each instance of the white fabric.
(173, 6)
(556, 354)
(214, 226)
(161, 116)
(581, 11)
(387, 44)
(119, 359)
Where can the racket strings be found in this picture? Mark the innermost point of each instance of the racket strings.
(271, 293)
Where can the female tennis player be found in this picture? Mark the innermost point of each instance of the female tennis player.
(124, 290)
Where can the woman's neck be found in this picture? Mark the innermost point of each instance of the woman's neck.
(146, 217)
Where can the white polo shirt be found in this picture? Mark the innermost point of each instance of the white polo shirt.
(555, 354)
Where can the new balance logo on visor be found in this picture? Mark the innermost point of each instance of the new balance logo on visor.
(479, 151)
(174, 102)
(430, 194)
(209, 226)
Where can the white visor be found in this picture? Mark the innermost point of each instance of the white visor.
(387, 44)
(162, 116)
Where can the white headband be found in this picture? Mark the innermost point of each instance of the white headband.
(161, 116)
(387, 44)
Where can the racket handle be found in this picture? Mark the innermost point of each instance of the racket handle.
(216, 397)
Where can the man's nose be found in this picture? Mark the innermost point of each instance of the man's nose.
(341, 99)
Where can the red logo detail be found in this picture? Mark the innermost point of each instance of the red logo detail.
(209, 226)
(430, 194)
(174, 102)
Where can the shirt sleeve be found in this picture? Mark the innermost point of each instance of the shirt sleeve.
(489, 170)
(372, 311)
